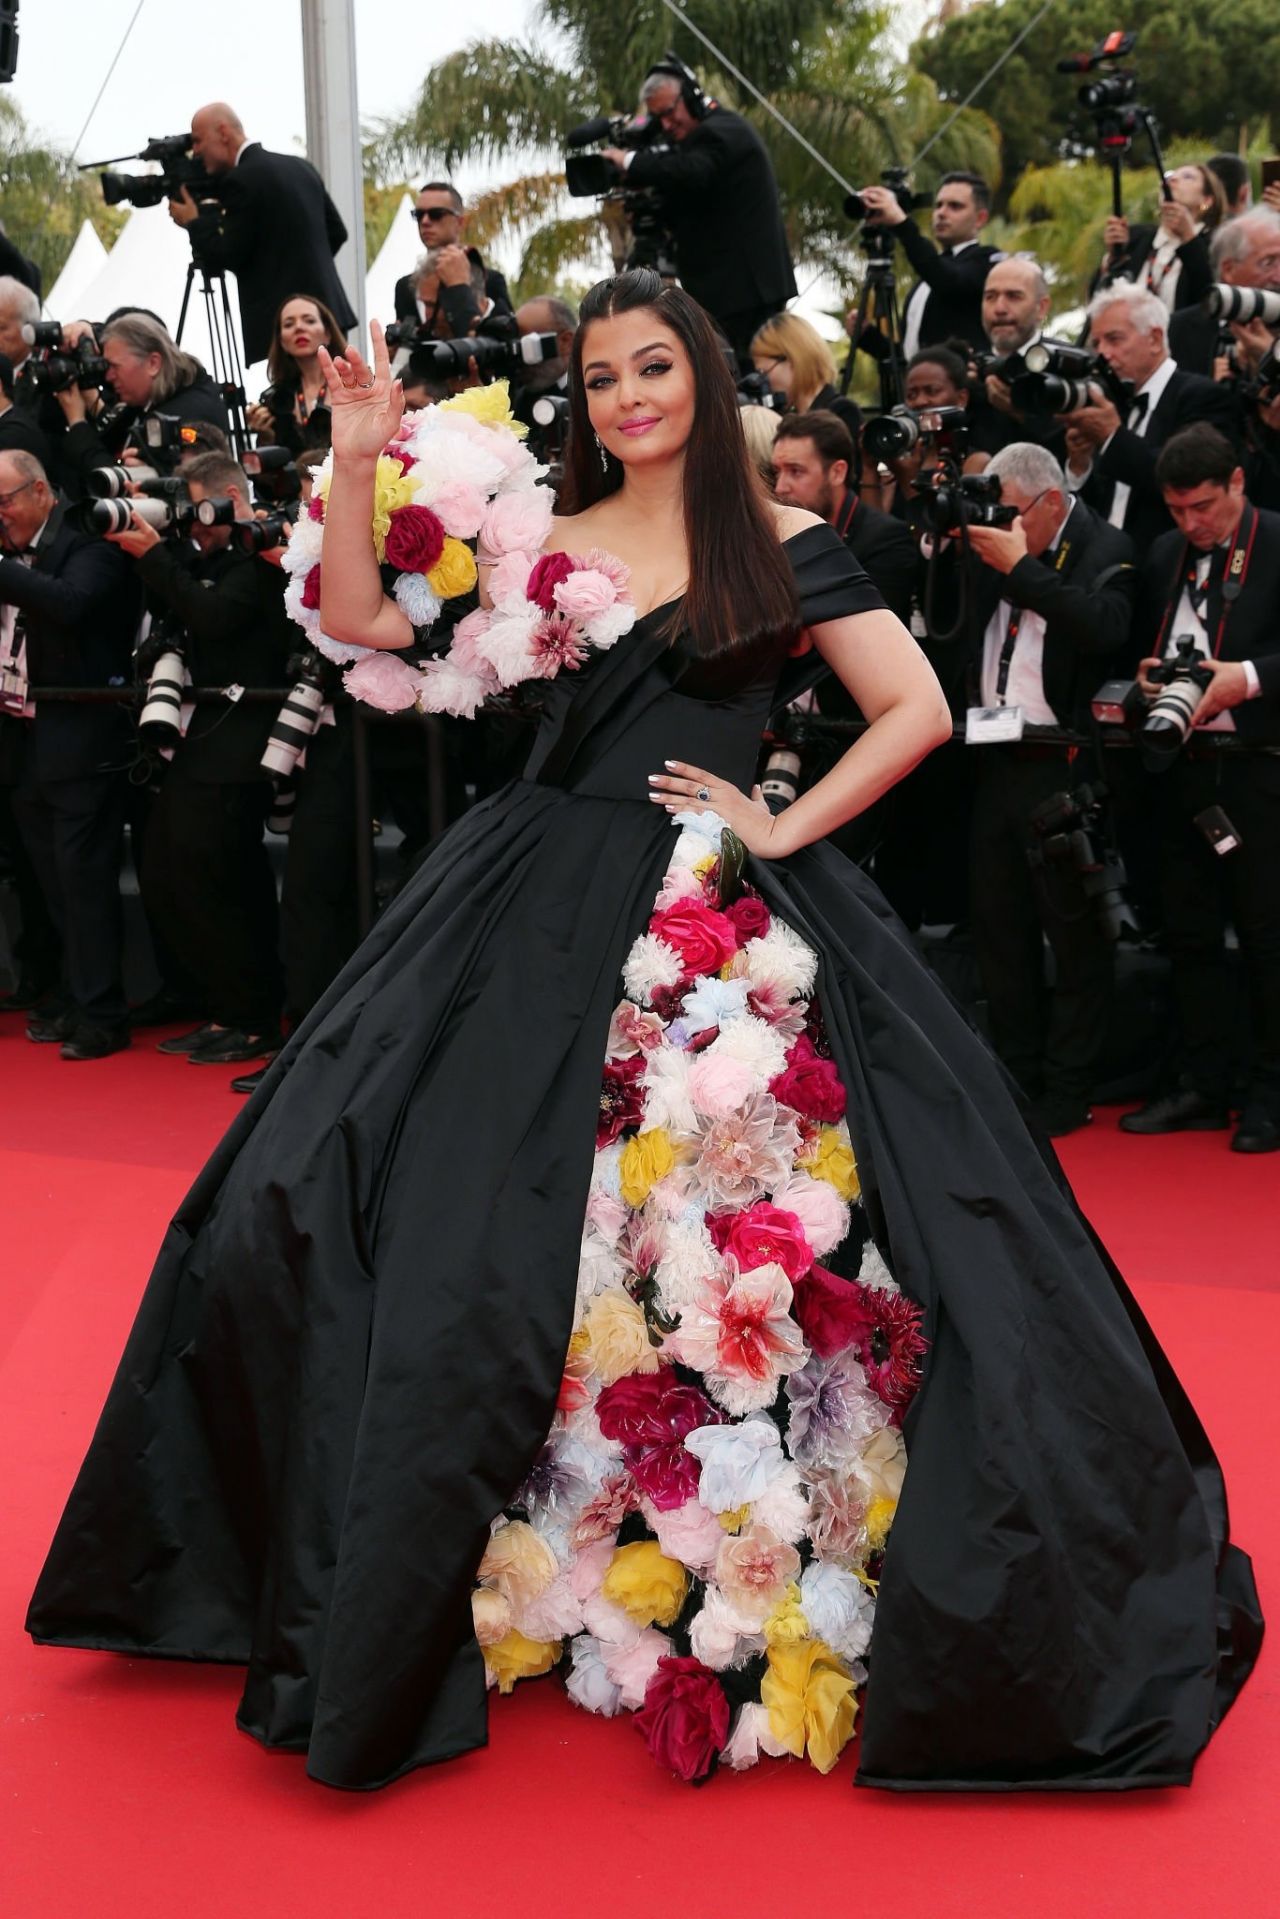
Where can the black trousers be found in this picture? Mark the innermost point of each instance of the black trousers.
(1050, 1040)
(1202, 891)
(319, 917)
(740, 328)
(37, 948)
(73, 831)
(208, 886)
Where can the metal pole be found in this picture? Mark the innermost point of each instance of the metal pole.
(333, 128)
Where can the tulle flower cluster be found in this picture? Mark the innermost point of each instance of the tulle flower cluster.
(699, 1542)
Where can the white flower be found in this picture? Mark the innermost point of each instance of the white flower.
(606, 1174)
(883, 1464)
(588, 1683)
(714, 1002)
(632, 1667)
(599, 1266)
(739, 1463)
(507, 645)
(666, 1083)
(306, 537)
(750, 1737)
(451, 458)
(688, 1255)
(554, 1614)
(838, 1607)
(336, 650)
(874, 1272)
(607, 628)
(780, 957)
(707, 827)
(445, 688)
(818, 1207)
(755, 1044)
(416, 600)
(783, 1506)
(650, 963)
(721, 1636)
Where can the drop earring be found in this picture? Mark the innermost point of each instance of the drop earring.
(604, 457)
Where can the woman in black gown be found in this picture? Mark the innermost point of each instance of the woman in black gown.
(351, 1350)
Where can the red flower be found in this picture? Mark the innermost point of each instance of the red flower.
(545, 578)
(809, 1084)
(650, 1413)
(311, 590)
(667, 1001)
(315, 507)
(832, 1312)
(762, 1235)
(415, 539)
(621, 1098)
(751, 917)
(685, 1718)
(892, 1346)
(704, 938)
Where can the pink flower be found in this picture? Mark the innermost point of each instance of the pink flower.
(383, 681)
(311, 590)
(688, 1533)
(837, 1509)
(750, 916)
(679, 883)
(752, 1571)
(600, 1518)
(607, 1214)
(810, 1084)
(509, 578)
(631, 1032)
(685, 1718)
(703, 937)
(459, 507)
(546, 576)
(462, 648)
(584, 593)
(557, 642)
(517, 522)
(315, 507)
(598, 561)
(740, 1335)
(719, 1084)
(588, 1567)
(632, 1667)
(744, 1154)
(823, 1215)
(772, 1003)
(761, 1235)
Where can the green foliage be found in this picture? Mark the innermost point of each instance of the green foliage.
(44, 200)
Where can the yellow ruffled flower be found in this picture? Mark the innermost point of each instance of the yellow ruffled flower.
(878, 1521)
(618, 1338)
(515, 1657)
(454, 572)
(734, 1522)
(787, 1624)
(810, 1701)
(491, 405)
(832, 1159)
(646, 1158)
(391, 489)
(649, 1587)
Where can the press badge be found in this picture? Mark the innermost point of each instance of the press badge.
(13, 691)
(992, 725)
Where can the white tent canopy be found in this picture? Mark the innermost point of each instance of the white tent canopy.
(398, 255)
(85, 261)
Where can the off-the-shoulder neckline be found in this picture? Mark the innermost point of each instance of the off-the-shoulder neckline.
(819, 526)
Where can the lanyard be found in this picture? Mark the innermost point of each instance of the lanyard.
(844, 519)
(1233, 579)
(1011, 631)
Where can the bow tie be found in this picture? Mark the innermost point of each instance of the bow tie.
(1138, 409)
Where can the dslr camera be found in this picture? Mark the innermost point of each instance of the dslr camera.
(1070, 835)
(1050, 377)
(754, 390)
(451, 359)
(54, 366)
(892, 435)
(172, 153)
(957, 501)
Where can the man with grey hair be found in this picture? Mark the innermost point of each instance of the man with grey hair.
(19, 307)
(1052, 604)
(1244, 252)
(1111, 459)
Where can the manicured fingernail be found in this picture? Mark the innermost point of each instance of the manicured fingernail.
(670, 765)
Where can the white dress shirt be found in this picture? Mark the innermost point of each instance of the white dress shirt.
(1025, 686)
(1187, 624)
(1137, 422)
(14, 657)
(913, 312)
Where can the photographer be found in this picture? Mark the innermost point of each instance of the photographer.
(68, 612)
(19, 307)
(294, 409)
(720, 201)
(270, 222)
(946, 302)
(798, 363)
(440, 218)
(1051, 607)
(147, 374)
(1243, 253)
(1111, 462)
(19, 432)
(934, 377)
(206, 879)
(813, 458)
(549, 380)
(1171, 258)
(1215, 580)
(1015, 306)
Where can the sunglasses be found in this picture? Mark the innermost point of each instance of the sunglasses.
(433, 213)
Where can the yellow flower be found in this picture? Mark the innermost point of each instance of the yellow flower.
(454, 572)
(646, 1158)
(491, 405)
(787, 1624)
(391, 489)
(518, 1563)
(878, 1521)
(832, 1159)
(515, 1657)
(810, 1701)
(649, 1587)
(734, 1522)
(618, 1338)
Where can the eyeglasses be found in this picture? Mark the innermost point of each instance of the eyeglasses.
(419, 214)
(6, 498)
(766, 365)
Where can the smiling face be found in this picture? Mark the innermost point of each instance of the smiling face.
(302, 330)
(640, 388)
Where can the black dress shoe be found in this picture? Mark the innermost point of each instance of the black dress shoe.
(1182, 1112)
(52, 1029)
(250, 1082)
(97, 1042)
(227, 1046)
(163, 1009)
(1257, 1132)
(186, 1042)
(23, 998)
(1058, 1117)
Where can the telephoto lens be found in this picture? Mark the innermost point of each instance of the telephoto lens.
(295, 724)
(1244, 304)
(284, 804)
(780, 782)
(160, 721)
(892, 435)
(113, 482)
(1173, 710)
(115, 516)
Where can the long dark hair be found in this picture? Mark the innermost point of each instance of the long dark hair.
(282, 368)
(741, 598)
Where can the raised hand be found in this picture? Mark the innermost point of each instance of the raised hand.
(367, 404)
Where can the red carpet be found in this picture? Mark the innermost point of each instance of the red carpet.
(126, 1790)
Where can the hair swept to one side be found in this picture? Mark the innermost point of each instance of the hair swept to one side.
(741, 598)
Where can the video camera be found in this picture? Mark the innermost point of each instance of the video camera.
(1112, 99)
(54, 366)
(591, 176)
(1070, 833)
(172, 153)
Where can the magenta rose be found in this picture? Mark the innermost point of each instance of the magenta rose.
(831, 1312)
(315, 507)
(415, 539)
(546, 575)
(311, 590)
(685, 1718)
(809, 1084)
(650, 1413)
(750, 916)
(704, 938)
(763, 1235)
(621, 1098)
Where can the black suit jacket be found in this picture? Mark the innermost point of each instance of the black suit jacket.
(720, 201)
(1194, 280)
(80, 604)
(20, 433)
(886, 551)
(16, 265)
(955, 281)
(406, 293)
(1252, 629)
(275, 227)
(1193, 339)
(94, 443)
(1131, 457)
(1087, 607)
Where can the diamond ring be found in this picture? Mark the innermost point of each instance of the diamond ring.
(704, 794)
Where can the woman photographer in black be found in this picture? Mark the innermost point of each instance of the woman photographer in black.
(293, 411)
(147, 373)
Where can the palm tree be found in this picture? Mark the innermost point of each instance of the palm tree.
(45, 198)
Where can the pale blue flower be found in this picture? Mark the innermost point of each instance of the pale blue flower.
(713, 1001)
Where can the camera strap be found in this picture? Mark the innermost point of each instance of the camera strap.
(1236, 572)
(1015, 622)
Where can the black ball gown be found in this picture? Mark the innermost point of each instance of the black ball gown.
(346, 1391)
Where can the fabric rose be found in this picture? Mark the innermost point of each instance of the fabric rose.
(831, 1158)
(459, 506)
(761, 1235)
(621, 1099)
(649, 1414)
(649, 1587)
(810, 1701)
(384, 682)
(751, 1737)
(810, 1084)
(582, 594)
(704, 938)
(516, 523)
(721, 1636)
(415, 539)
(601, 1517)
(490, 1615)
(688, 1533)
(750, 916)
(719, 1085)
(588, 1683)
(752, 1571)
(508, 583)
(631, 1667)
(838, 1607)
(515, 1657)
(546, 575)
(632, 1032)
(454, 572)
(823, 1215)
(617, 1338)
(518, 1564)
(832, 1312)
(311, 590)
(685, 1718)
(646, 1158)
(738, 1462)
(462, 649)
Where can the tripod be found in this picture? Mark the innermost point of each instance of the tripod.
(879, 312)
(226, 369)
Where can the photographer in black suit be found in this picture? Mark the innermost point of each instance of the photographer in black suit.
(1052, 606)
(1216, 580)
(148, 374)
(68, 613)
(946, 301)
(272, 224)
(206, 880)
(1111, 461)
(719, 200)
(439, 215)
(814, 457)
(1244, 252)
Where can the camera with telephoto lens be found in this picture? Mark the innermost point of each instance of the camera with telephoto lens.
(1184, 678)
(274, 473)
(160, 663)
(892, 435)
(261, 536)
(53, 366)
(1051, 377)
(589, 176)
(1243, 304)
(958, 500)
(299, 718)
(173, 513)
(754, 390)
(451, 359)
(1070, 831)
(172, 153)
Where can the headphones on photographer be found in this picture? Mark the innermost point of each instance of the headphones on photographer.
(672, 68)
